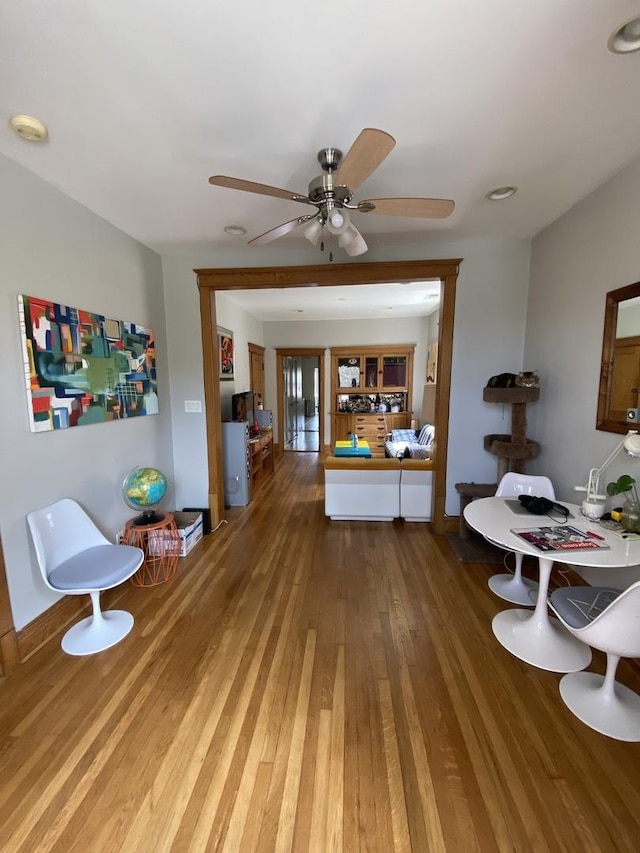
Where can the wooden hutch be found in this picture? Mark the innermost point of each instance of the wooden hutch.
(363, 375)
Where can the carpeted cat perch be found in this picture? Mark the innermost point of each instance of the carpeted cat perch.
(513, 451)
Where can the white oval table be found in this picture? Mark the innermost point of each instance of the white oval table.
(534, 636)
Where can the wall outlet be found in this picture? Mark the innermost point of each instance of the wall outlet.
(633, 415)
(192, 406)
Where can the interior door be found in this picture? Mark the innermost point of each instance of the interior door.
(625, 379)
(256, 372)
(290, 400)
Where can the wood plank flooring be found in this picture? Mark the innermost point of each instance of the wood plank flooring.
(308, 685)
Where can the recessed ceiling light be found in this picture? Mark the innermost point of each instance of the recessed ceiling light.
(298, 311)
(235, 230)
(29, 128)
(626, 37)
(501, 192)
(342, 298)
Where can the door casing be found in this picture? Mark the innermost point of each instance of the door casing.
(326, 275)
(281, 355)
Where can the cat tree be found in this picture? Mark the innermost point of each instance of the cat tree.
(512, 450)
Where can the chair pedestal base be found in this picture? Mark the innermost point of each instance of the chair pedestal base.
(617, 715)
(517, 590)
(93, 634)
(540, 641)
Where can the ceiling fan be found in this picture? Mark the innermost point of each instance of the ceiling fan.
(332, 192)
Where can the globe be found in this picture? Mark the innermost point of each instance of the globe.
(143, 489)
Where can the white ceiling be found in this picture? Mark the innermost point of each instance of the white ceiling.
(371, 301)
(145, 100)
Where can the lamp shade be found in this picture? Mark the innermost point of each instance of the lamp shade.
(338, 221)
(357, 245)
(631, 444)
(312, 230)
(347, 236)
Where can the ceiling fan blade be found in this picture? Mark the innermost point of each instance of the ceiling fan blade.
(365, 155)
(429, 208)
(279, 231)
(252, 187)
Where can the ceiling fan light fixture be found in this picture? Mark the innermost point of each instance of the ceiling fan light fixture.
(357, 246)
(312, 230)
(500, 193)
(347, 236)
(338, 221)
(626, 37)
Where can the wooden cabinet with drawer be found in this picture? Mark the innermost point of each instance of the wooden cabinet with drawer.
(371, 428)
(367, 383)
(401, 420)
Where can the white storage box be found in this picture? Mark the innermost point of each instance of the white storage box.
(189, 526)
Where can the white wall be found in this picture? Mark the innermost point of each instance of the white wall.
(592, 249)
(488, 338)
(51, 246)
(187, 376)
(246, 329)
(332, 333)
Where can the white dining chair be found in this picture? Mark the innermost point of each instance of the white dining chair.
(514, 587)
(76, 559)
(609, 620)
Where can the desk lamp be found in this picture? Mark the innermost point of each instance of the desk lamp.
(593, 504)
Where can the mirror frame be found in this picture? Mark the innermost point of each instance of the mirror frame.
(614, 298)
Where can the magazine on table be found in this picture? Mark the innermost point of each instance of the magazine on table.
(562, 537)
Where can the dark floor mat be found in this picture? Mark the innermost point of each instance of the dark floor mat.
(475, 549)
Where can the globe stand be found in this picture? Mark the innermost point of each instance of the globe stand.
(149, 516)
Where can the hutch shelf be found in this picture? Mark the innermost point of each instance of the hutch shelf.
(365, 379)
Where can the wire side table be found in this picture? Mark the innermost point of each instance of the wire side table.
(161, 545)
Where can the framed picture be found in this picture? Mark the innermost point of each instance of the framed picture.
(84, 368)
(432, 364)
(225, 353)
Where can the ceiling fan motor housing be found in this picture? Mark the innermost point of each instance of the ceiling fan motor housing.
(329, 158)
(322, 190)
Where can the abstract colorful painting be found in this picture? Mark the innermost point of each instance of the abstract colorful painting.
(83, 368)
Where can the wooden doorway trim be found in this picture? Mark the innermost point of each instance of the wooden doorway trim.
(9, 652)
(281, 354)
(325, 275)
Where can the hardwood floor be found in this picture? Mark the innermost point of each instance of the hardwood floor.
(308, 685)
(308, 438)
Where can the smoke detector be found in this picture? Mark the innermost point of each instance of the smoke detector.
(29, 128)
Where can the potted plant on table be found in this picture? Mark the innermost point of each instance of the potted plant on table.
(626, 485)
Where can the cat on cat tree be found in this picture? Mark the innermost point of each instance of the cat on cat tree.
(524, 379)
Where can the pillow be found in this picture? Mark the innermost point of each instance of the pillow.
(427, 434)
(403, 435)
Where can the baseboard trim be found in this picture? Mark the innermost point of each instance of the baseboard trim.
(451, 523)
